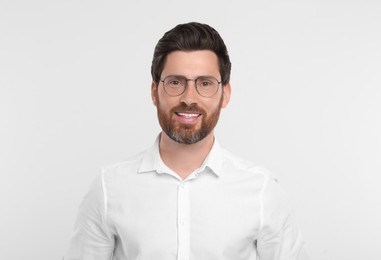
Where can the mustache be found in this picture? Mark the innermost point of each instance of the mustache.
(183, 107)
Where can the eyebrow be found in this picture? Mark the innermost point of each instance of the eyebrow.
(201, 76)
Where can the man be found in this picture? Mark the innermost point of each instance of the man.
(186, 198)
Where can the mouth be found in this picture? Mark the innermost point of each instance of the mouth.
(188, 115)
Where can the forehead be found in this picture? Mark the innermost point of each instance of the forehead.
(191, 64)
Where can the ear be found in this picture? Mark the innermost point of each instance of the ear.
(226, 91)
(154, 93)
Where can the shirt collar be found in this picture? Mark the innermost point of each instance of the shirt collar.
(151, 160)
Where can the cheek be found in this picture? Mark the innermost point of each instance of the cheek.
(216, 104)
(164, 104)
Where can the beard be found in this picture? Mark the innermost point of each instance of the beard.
(188, 133)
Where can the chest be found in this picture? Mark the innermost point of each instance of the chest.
(187, 218)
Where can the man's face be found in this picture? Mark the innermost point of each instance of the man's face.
(189, 117)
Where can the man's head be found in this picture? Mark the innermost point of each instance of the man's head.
(190, 72)
(190, 37)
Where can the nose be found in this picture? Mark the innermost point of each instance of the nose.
(190, 94)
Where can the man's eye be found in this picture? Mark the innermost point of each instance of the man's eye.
(174, 82)
(205, 83)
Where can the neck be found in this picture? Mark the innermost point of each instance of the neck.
(184, 158)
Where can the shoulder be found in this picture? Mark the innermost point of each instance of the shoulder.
(238, 163)
(122, 168)
(253, 174)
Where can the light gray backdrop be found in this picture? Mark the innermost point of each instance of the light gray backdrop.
(75, 96)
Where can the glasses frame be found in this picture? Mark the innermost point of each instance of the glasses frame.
(195, 84)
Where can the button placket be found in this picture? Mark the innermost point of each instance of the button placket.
(183, 221)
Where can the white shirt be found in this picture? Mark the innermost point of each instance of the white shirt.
(228, 209)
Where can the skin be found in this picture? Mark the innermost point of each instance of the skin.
(185, 158)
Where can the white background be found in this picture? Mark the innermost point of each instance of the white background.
(75, 96)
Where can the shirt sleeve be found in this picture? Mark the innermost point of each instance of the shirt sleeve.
(280, 237)
(92, 238)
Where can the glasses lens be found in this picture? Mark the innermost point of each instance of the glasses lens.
(207, 86)
(174, 85)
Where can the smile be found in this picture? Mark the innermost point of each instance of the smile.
(188, 115)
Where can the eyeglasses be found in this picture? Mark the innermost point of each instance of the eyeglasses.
(205, 86)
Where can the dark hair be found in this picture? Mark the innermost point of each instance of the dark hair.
(188, 37)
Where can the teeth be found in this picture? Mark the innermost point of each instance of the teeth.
(188, 115)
